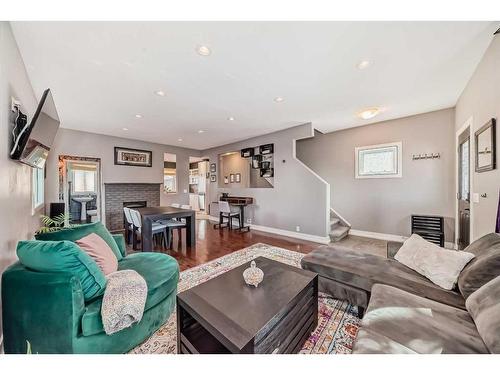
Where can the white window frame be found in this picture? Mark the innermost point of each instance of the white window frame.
(37, 186)
(399, 165)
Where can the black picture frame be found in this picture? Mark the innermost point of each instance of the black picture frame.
(148, 162)
(237, 178)
(231, 178)
(213, 178)
(213, 168)
(489, 126)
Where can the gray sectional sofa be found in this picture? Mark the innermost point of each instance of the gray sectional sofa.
(406, 312)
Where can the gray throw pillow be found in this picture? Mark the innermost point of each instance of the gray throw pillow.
(484, 267)
(484, 307)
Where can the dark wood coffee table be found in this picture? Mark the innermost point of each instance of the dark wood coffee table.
(224, 315)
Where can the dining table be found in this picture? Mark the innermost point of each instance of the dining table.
(152, 214)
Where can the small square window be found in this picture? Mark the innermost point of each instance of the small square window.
(379, 161)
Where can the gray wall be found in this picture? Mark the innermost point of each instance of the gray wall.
(299, 198)
(17, 222)
(77, 143)
(481, 101)
(385, 205)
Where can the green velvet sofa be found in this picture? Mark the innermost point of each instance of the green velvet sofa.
(49, 310)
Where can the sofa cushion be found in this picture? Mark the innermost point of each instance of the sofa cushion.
(363, 270)
(400, 322)
(63, 256)
(439, 265)
(484, 307)
(161, 273)
(80, 231)
(484, 267)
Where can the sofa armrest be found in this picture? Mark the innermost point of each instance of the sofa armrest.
(120, 241)
(42, 308)
(392, 248)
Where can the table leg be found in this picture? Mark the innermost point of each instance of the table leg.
(147, 234)
(191, 230)
(242, 216)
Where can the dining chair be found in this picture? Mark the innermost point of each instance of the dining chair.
(157, 228)
(129, 224)
(226, 213)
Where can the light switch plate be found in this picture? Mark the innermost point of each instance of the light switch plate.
(475, 197)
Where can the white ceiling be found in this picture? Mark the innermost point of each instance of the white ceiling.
(103, 73)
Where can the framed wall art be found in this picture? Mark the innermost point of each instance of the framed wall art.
(133, 157)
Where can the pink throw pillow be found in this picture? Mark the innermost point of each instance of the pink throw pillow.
(100, 251)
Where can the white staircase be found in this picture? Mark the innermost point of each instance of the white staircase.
(339, 228)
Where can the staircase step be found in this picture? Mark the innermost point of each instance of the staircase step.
(334, 221)
(338, 233)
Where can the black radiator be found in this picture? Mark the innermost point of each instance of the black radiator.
(429, 227)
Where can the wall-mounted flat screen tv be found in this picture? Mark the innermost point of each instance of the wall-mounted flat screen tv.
(31, 142)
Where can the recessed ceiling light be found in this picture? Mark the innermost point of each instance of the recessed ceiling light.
(201, 131)
(179, 140)
(363, 64)
(138, 116)
(160, 93)
(125, 129)
(230, 118)
(278, 99)
(369, 113)
(203, 50)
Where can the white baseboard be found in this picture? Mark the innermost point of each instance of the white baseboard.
(283, 232)
(391, 237)
(378, 236)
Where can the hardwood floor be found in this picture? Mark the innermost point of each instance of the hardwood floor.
(213, 243)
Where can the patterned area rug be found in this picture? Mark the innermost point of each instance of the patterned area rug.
(337, 320)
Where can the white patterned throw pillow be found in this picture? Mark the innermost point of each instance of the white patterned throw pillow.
(441, 266)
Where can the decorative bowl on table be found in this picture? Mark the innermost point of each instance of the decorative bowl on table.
(253, 275)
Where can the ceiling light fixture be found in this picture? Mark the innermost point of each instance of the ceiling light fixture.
(138, 116)
(363, 64)
(160, 93)
(369, 113)
(230, 118)
(125, 129)
(203, 50)
(201, 131)
(179, 140)
(278, 99)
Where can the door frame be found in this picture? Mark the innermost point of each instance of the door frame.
(467, 124)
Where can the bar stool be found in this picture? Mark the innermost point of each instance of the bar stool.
(226, 213)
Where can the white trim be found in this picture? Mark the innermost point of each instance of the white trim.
(391, 237)
(340, 217)
(283, 232)
(327, 185)
(399, 165)
(378, 236)
(467, 124)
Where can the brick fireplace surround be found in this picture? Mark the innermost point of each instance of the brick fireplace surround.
(116, 194)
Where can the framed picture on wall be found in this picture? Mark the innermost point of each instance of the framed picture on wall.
(231, 178)
(238, 178)
(486, 147)
(226, 180)
(213, 178)
(213, 168)
(133, 157)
